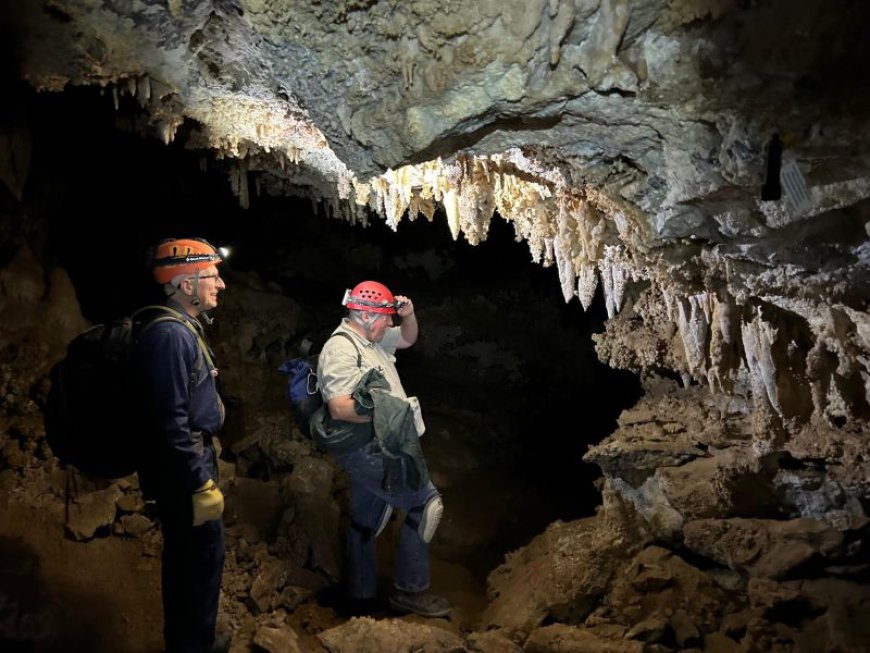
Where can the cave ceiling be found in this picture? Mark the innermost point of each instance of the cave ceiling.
(709, 153)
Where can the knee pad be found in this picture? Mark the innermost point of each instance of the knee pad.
(384, 520)
(432, 512)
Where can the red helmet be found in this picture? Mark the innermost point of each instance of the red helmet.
(370, 296)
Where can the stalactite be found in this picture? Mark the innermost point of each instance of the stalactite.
(392, 198)
(614, 254)
(147, 81)
(558, 225)
(244, 197)
(587, 282)
(758, 339)
(566, 269)
(724, 321)
(564, 250)
(239, 183)
(451, 209)
(612, 279)
(693, 323)
(361, 192)
(720, 345)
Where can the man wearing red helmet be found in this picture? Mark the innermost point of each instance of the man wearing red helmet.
(342, 364)
(181, 400)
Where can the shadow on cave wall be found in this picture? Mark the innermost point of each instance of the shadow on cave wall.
(498, 341)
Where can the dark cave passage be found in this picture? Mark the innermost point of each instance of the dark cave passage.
(505, 369)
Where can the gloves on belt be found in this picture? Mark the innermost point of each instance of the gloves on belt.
(208, 503)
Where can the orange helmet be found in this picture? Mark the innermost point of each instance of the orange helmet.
(370, 296)
(176, 256)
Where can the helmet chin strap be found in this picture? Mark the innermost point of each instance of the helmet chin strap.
(208, 319)
(196, 301)
(365, 325)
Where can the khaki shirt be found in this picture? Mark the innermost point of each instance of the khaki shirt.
(337, 370)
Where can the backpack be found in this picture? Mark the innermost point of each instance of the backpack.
(91, 415)
(303, 387)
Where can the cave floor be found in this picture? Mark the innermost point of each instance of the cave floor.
(103, 595)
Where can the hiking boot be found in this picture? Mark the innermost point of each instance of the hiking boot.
(421, 603)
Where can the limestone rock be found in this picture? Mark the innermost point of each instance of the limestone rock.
(564, 571)
(277, 640)
(91, 512)
(559, 638)
(767, 548)
(364, 635)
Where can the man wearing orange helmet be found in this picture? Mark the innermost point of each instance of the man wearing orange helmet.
(341, 367)
(181, 400)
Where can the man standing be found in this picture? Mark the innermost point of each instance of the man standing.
(184, 411)
(369, 343)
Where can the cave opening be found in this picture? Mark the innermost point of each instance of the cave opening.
(505, 368)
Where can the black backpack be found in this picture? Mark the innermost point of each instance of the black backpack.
(92, 415)
(303, 387)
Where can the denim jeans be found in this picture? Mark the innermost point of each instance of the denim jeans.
(368, 501)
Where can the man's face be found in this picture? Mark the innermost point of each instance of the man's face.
(379, 325)
(209, 284)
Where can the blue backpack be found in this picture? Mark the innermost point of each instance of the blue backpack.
(303, 387)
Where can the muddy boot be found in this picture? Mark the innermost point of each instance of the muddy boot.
(421, 603)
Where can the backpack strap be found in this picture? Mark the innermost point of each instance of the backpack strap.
(176, 316)
(348, 337)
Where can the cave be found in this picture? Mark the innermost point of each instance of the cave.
(637, 239)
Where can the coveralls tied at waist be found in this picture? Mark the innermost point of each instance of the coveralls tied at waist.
(392, 428)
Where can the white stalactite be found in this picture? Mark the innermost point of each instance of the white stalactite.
(613, 279)
(451, 208)
(693, 324)
(563, 250)
(558, 226)
(723, 310)
(587, 282)
(607, 286)
(758, 339)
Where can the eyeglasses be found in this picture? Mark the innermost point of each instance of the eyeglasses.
(215, 276)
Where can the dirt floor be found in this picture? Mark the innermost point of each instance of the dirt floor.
(103, 595)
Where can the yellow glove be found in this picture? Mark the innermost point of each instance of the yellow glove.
(208, 503)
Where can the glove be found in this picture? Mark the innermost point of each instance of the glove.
(208, 503)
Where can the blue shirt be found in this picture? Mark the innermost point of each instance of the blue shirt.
(180, 398)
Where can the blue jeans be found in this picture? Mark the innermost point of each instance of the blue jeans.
(368, 501)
